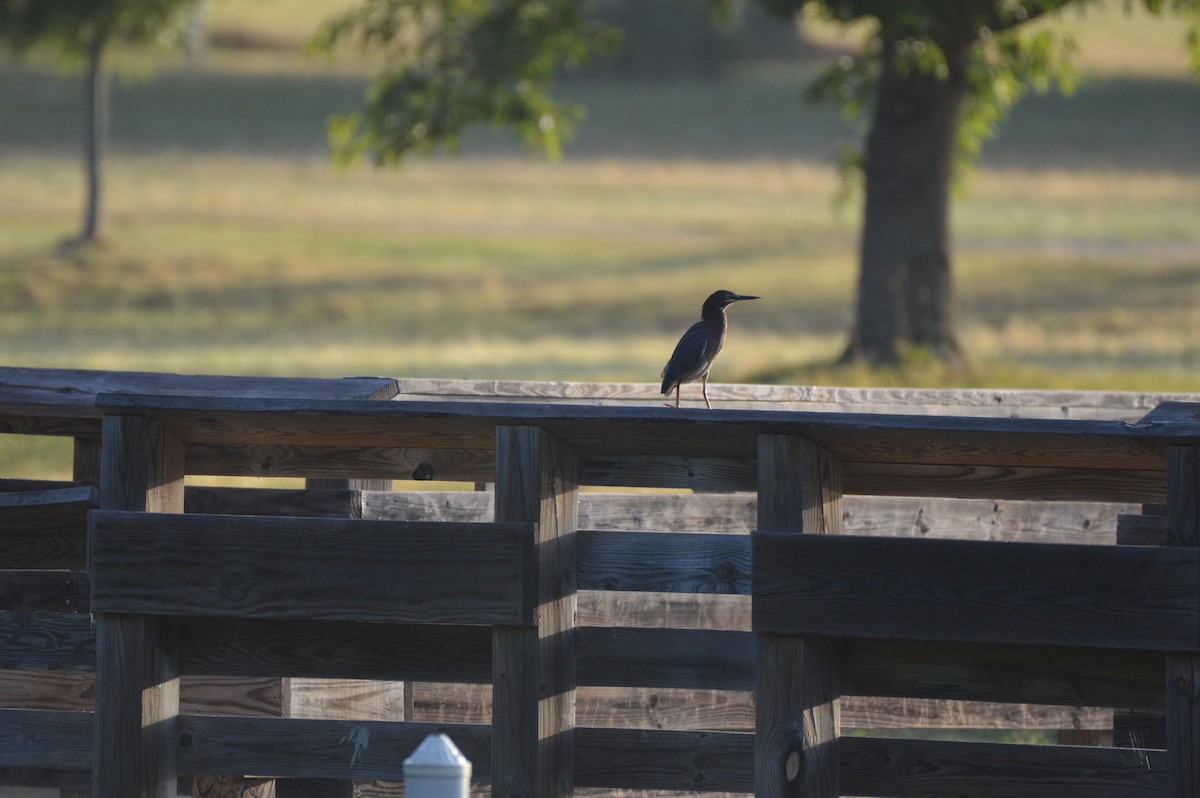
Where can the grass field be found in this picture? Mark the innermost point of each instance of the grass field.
(233, 246)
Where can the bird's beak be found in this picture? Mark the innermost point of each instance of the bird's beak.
(740, 297)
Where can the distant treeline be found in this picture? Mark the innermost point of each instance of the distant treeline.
(687, 39)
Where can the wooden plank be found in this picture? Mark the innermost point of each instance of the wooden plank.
(344, 699)
(677, 432)
(675, 563)
(79, 780)
(798, 681)
(62, 691)
(45, 591)
(332, 569)
(1004, 673)
(283, 460)
(50, 512)
(47, 641)
(534, 669)
(1183, 668)
(891, 768)
(974, 591)
(665, 760)
(975, 519)
(41, 552)
(137, 661)
(202, 500)
(68, 395)
(335, 650)
(1117, 405)
(40, 739)
(666, 658)
(664, 610)
(327, 749)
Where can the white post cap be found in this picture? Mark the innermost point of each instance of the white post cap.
(437, 757)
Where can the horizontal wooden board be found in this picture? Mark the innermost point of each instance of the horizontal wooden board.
(1077, 677)
(342, 462)
(44, 591)
(60, 512)
(974, 591)
(313, 503)
(664, 760)
(675, 563)
(33, 738)
(1116, 405)
(890, 768)
(663, 431)
(333, 749)
(332, 569)
(64, 399)
(47, 641)
(665, 658)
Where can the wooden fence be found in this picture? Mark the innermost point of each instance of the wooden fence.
(653, 683)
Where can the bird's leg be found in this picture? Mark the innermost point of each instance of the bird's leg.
(677, 396)
(704, 392)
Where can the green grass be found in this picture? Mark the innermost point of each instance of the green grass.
(233, 246)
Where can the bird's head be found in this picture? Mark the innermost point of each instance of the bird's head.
(723, 299)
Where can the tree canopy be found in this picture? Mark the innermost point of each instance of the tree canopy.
(930, 85)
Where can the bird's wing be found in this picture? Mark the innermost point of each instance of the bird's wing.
(688, 362)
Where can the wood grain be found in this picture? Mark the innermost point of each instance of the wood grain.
(892, 768)
(534, 669)
(47, 641)
(1129, 597)
(60, 512)
(267, 567)
(45, 739)
(798, 679)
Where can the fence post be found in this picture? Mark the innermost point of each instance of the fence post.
(1183, 670)
(797, 716)
(137, 657)
(437, 769)
(533, 668)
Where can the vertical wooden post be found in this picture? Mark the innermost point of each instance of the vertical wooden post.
(1183, 670)
(533, 668)
(137, 657)
(797, 715)
(86, 461)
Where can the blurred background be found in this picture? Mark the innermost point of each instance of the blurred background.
(232, 244)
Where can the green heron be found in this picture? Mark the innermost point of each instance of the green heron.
(700, 345)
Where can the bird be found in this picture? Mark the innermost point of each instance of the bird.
(700, 345)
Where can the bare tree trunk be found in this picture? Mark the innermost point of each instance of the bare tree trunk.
(905, 291)
(95, 139)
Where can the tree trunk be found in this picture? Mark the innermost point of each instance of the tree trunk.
(905, 292)
(95, 135)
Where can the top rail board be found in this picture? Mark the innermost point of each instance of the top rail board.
(662, 431)
(62, 401)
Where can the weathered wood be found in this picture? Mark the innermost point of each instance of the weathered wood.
(48, 512)
(62, 401)
(999, 403)
(683, 563)
(283, 460)
(70, 783)
(262, 567)
(973, 591)
(942, 441)
(345, 503)
(328, 749)
(666, 658)
(344, 699)
(665, 760)
(85, 460)
(534, 669)
(46, 640)
(1141, 530)
(1004, 673)
(41, 552)
(731, 710)
(664, 610)
(210, 786)
(1183, 669)
(137, 661)
(46, 591)
(891, 768)
(42, 739)
(797, 723)
(335, 650)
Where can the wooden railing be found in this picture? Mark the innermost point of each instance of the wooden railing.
(665, 648)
